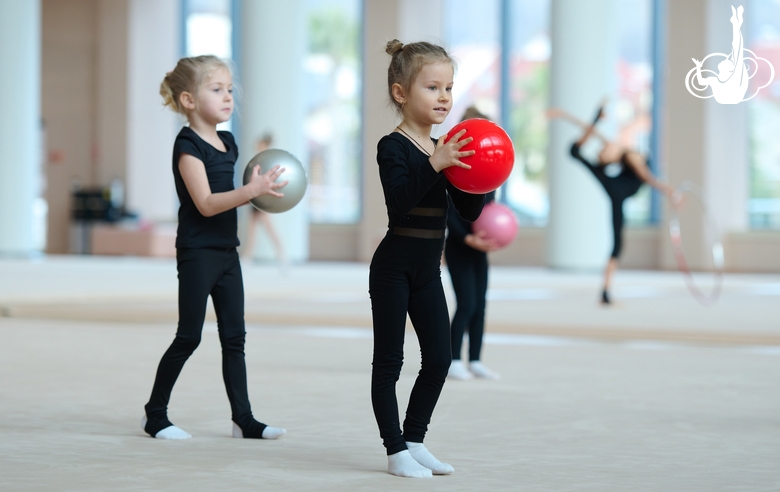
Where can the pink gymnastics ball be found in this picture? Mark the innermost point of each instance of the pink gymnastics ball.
(498, 222)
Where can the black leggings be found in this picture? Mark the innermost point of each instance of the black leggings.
(619, 188)
(469, 273)
(617, 227)
(405, 276)
(204, 272)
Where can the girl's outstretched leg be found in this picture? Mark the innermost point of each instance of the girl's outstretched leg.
(198, 270)
(228, 296)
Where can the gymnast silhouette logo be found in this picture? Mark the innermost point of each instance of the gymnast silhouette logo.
(730, 85)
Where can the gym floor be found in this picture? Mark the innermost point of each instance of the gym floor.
(654, 393)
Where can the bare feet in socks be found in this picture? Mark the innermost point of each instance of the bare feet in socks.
(459, 371)
(258, 431)
(170, 432)
(402, 464)
(479, 370)
(424, 457)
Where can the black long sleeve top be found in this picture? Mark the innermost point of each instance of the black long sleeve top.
(415, 194)
(458, 229)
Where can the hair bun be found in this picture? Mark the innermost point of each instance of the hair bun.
(394, 47)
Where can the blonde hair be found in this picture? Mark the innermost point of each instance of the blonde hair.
(407, 61)
(189, 74)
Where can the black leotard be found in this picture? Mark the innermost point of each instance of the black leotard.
(619, 188)
(405, 277)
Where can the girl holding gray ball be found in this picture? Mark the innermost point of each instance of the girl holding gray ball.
(201, 89)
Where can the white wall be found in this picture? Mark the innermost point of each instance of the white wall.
(68, 88)
(153, 39)
(582, 72)
(111, 72)
(272, 50)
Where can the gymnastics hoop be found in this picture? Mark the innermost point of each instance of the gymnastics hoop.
(690, 188)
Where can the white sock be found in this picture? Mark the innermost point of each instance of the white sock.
(273, 432)
(458, 371)
(268, 433)
(402, 464)
(480, 371)
(424, 457)
(170, 432)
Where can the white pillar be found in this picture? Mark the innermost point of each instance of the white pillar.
(272, 49)
(20, 124)
(153, 38)
(582, 72)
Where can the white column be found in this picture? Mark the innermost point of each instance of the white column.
(272, 48)
(20, 124)
(153, 38)
(582, 72)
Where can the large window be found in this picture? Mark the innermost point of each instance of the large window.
(519, 56)
(208, 28)
(332, 99)
(529, 76)
(474, 40)
(763, 38)
(331, 93)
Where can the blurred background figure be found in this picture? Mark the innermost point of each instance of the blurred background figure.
(466, 256)
(259, 217)
(620, 183)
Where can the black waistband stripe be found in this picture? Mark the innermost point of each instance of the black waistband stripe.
(418, 233)
(427, 212)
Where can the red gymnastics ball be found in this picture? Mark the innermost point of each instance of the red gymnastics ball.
(498, 223)
(493, 159)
